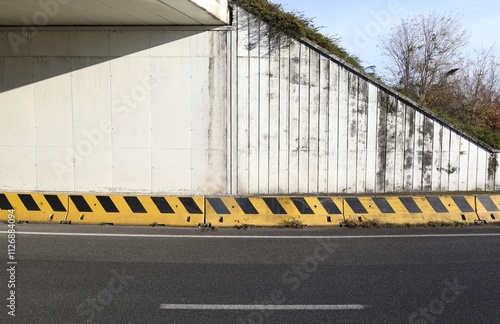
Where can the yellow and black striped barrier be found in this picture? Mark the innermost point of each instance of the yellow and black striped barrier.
(411, 210)
(488, 208)
(43, 208)
(138, 210)
(107, 209)
(239, 211)
(274, 211)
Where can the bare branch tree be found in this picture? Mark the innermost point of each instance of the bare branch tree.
(421, 50)
(480, 86)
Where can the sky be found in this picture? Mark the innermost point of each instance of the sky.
(360, 24)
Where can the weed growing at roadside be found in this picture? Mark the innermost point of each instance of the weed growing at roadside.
(292, 222)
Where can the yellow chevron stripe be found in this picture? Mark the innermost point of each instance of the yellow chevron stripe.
(486, 206)
(45, 213)
(402, 215)
(266, 217)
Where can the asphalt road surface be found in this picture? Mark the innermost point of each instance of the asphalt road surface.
(98, 274)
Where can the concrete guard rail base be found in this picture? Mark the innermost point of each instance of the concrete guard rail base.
(103, 209)
(223, 211)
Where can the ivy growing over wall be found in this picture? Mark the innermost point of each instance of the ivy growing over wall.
(294, 25)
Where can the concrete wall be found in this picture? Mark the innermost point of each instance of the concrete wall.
(196, 111)
(306, 123)
(122, 110)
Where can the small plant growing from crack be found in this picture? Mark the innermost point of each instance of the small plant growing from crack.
(292, 222)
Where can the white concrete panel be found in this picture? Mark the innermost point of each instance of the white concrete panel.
(129, 43)
(215, 123)
(254, 37)
(371, 141)
(171, 115)
(6, 44)
(91, 94)
(217, 103)
(94, 172)
(50, 43)
(232, 115)
(333, 128)
(242, 101)
(200, 103)
(472, 173)
(284, 120)
(254, 125)
(243, 126)
(49, 174)
(253, 109)
(418, 152)
(390, 105)
(90, 86)
(14, 43)
(264, 118)
(17, 168)
(95, 43)
(17, 126)
(17, 72)
(171, 172)
(131, 102)
(482, 170)
(304, 119)
(201, 44)
(200, 171)
(208, 175)
(489, 182)
(399, 180)
(446, 168)
(209, 130)
(428, 134)
(464, 169)
(323, 127)
(454, 161)
(437, 157)
(210, 178)
(242, 21)
(174, 43)
(314, 114)
(343, 130)
(52, 102)
(294, 125)
(131, 170)
(491, 168)
(274, 125)
(381, 148)
(362, 116)
(352, 132)
(409, 161)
